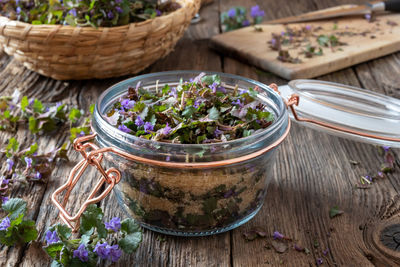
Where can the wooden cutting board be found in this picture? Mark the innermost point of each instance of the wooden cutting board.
(373, 39)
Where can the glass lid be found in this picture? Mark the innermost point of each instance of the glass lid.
(360, 114)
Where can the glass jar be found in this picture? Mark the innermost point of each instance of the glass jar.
(191, 195)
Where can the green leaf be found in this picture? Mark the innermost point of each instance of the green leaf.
(33, 125)
(188, 112)
(27, 230)
(54, 249)
(91, 108)
(209, 205)
(32, 149)
(37, 106)
(74, 114)
(63, 231)
(12, 145)
(130, 242)
(130, 226)
(24, 103)
(36, 22)
(15, 207)
(213, 114)
(333, 212)
(210, 79)
(91, 218)
(17, 220)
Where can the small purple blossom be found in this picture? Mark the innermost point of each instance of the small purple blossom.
(213, 87)
(368, 177)
(166, 130)
(273, 42)
(123, 128)
(168, 158)
(308, 27)
(196, 104)
(278, 235)
(38, 175)
(127, 103)
(5, 223)
(81, 253)
(58, 104)
(114, 224)
(139, 122)
(148, 127)
(51, 237)
(380, 174)
(82, 133)
(118, 1)
(243, 91)
(367, 16)
(72, 12)
(10, 164)
(217, 132)
(115, 253)
(298, 248)
(325, 252)
(173, 92)
(283, 33)
(232, 12)
(237, 102)
(18, 10)
(101, 250)
(4, 200)
(31, 101)
(246, 23)
(110, 15)
(228, 193)
(319, 261)
(28, 162)
(221, 89)
(158, 13)
(119, 9)
(386, 148)
(4, 181)
(256, 12)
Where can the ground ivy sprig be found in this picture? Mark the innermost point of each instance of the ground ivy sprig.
(14, 229)
(98, 240)
(236, 17)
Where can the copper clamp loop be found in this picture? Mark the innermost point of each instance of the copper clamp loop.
(111, 176)
(294, 101)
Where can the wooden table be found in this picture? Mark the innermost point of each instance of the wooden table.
(313, 172)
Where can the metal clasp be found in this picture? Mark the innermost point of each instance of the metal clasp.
(111, 176)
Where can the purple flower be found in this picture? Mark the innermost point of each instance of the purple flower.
(114, 224)
(367, 17)
(31, 101)
(283, 33)
(325, 252)
(82, 133)
(106, 251)
(102, 250)
(380, 174)
(256, 12)
(173, 92)
(51, 237)
(245, 23)
(237, 102)
(168, 158)
(58, 104)
(273, 42)
(158, 13)
(319, 261)
(386, 148)
(217, 132)
(243, 91)
(118, 1)
(139, 122)
(110, 15)
(28, 162)
(298, 248)
(368, 177)
(38, 175)
(127, 103)
(228, 193)
(18, 10)
(81, 253)
(148, 127)
(123, 128)
(213, 87)
(10, 164)
(221, 89)
(196, 104)
(308, 27)
(278, 235)
(119, 10)
(4, 200)
(5, 223)
(232, 12)
(166, 130)
(115, 253)
(72, 12)
(4, 181)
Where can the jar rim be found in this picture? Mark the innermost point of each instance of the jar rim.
(277, 123)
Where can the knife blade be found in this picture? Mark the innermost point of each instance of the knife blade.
(348, 10)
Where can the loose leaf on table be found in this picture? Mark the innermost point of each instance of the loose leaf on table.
(333, 212)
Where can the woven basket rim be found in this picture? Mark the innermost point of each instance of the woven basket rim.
(7, 20)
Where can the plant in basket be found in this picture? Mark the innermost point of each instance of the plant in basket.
(87, 39)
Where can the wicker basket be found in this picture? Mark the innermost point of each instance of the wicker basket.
(66, 52)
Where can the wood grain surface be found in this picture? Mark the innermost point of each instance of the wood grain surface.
(312, 173)
(363, 41)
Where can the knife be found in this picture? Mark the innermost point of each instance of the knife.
(348, 10)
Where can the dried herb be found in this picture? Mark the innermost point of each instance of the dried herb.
(196, 112)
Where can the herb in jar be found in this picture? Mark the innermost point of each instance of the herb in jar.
(196, 112)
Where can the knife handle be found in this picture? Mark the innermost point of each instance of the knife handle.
(392, 5)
